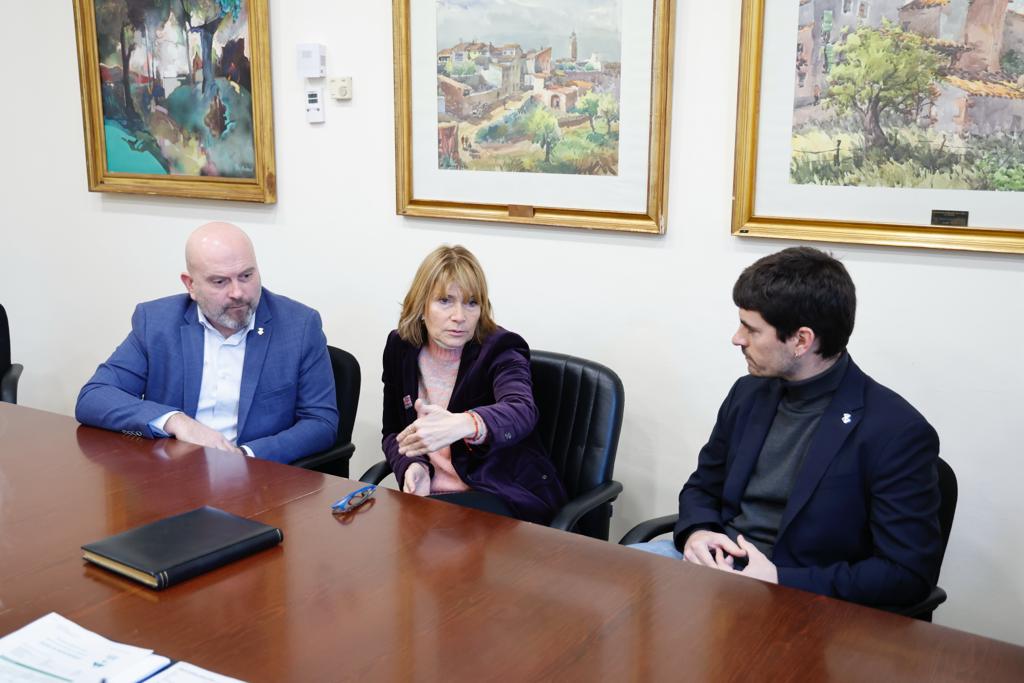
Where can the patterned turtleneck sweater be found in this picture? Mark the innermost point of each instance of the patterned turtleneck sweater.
(439, 367)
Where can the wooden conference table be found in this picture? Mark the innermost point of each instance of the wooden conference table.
(413, 589)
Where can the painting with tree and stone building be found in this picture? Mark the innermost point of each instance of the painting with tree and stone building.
(531, 87)
(909, 94)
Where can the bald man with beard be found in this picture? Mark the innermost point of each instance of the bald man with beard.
(228, 365)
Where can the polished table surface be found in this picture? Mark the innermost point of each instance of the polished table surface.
(413, 589)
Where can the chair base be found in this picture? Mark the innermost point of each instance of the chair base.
(334, 461)
(921, 610)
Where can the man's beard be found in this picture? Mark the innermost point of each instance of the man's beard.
(227, 321)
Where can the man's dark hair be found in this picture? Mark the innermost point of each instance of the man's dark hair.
(801, 287)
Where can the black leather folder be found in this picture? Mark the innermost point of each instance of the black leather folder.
(170, 550)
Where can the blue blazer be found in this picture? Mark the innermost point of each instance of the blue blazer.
(287, 407)
(861, 522)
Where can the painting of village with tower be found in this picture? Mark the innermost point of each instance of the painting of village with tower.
(909, 94)
(529, 87)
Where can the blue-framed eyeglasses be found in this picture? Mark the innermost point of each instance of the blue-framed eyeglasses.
(353, 500)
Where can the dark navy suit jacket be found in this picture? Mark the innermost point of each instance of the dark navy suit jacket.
(494, 381)
(861, 522)
(287, 407)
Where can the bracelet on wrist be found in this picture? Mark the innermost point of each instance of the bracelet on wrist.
(476, 427)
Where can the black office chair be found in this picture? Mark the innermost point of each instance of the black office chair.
(347, 378)
(580, 404)
(645, 531)
(10, 373)
(948, 493)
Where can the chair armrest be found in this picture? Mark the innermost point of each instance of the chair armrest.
(645, 531)
(377, 473)
(332, 461)
(924, 608)
(9, 383)
(572, 511)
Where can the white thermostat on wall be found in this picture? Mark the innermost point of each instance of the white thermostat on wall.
(340, 88)
(312, 60)
(315, 105)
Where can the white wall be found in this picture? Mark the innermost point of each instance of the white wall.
(935, 326)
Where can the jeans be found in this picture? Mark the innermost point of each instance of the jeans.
(663, 548)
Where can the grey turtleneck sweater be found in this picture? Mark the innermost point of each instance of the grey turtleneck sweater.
(783, 452)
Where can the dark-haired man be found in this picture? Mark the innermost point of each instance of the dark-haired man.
(815, 476)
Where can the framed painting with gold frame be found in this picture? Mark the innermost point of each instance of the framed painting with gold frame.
(508, 112)
(813, 162)
(176, 98)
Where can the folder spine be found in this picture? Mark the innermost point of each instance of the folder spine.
(201, 565)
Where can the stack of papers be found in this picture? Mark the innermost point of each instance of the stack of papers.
(53, 648)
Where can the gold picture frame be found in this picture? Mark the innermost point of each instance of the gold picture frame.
(748, 221)
(648, 196)
(165, 157)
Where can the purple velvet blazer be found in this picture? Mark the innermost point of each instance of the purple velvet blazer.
(494, 381)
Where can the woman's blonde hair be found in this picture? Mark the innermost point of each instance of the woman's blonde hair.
(443, 267)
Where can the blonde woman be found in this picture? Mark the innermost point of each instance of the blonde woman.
(459, 417)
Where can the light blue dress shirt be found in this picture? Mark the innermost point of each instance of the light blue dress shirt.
(223, 360)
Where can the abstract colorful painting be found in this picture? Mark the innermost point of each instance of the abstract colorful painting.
(178, 84)
(909, 94)
(529, 86)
